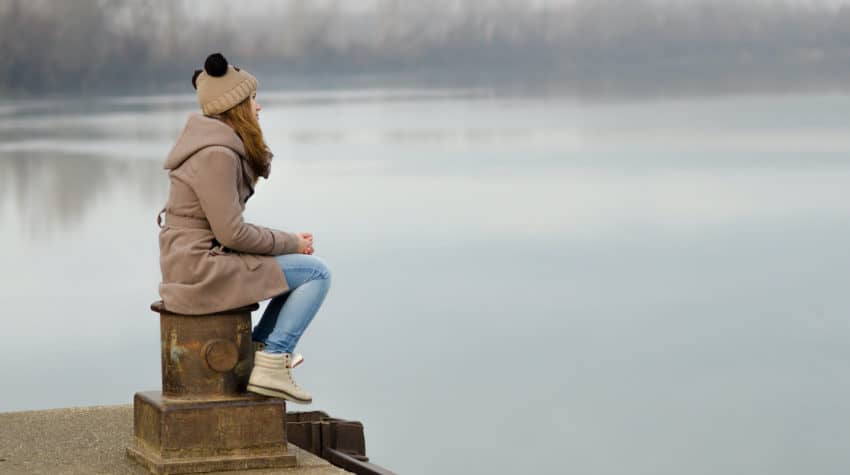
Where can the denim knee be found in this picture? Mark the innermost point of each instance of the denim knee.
(321, 269)
(309, 266)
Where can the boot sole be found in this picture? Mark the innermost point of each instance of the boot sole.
(277, 393)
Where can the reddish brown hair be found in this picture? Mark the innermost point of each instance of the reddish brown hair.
(243, 120)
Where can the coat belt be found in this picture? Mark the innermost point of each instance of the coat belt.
(178, 221)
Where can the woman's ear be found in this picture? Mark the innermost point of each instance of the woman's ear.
(195, 78)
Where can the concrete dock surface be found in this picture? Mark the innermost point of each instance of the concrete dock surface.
(92, 440)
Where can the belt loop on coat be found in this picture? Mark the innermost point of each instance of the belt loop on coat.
(159, 218)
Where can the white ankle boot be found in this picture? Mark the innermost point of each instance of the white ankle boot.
(272, 376)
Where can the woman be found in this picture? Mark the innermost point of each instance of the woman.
(211, 259)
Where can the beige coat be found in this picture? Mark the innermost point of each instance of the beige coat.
(211, 259)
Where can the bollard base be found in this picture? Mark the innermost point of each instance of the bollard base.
(155, 464)
(186, 436)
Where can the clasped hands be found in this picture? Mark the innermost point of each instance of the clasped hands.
(305, 243)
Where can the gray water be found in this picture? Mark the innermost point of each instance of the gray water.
(521, 284)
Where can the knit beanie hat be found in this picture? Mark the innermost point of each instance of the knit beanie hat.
(221, 86)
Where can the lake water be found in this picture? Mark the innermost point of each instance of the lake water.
(522, 284)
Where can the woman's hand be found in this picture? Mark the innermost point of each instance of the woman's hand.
(305, 244)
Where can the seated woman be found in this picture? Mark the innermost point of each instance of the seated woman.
(211, 259)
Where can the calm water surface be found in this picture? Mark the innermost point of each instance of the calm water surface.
(521, 284)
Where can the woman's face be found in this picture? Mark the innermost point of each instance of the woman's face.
(256, 106)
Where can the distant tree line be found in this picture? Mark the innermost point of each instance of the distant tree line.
(136, 45)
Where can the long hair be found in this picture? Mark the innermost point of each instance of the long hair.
(244, 122)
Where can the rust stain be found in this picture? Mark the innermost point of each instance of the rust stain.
(176, 350)
(243, 325)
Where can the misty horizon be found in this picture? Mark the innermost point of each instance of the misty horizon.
(584, 47)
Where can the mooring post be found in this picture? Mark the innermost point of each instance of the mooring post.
(203, 420)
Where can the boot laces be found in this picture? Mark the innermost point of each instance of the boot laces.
(289, 371)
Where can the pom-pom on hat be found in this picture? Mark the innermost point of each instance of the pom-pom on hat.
(221, 86)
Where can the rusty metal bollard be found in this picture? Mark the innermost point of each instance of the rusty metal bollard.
(203, 420)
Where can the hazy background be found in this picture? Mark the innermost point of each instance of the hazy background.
(588, 47)
(593, 237)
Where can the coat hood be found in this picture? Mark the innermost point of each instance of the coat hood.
(200, 132)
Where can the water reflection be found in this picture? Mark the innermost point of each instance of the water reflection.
(52, 193)
(58, 157)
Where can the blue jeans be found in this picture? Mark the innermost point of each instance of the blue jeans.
(288, 314)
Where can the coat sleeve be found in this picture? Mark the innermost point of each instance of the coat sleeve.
(215, 182)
